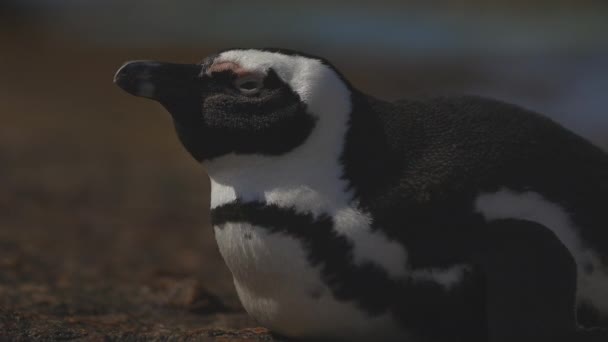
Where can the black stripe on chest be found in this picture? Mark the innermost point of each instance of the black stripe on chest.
(324, 247)
(418, 305)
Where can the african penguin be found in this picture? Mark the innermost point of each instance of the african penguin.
(345, 217)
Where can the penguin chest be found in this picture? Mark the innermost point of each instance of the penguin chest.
(271, 272)
(280, 288)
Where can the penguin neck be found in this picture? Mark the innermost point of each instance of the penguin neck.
(308, 179)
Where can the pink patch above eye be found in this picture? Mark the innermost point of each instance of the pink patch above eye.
(224, 66)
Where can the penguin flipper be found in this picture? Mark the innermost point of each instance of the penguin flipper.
(530, 283)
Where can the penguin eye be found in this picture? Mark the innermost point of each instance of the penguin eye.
(248, 85)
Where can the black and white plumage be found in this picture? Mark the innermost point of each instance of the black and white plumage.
(342, 216)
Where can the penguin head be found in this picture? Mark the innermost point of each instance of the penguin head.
(244, 102)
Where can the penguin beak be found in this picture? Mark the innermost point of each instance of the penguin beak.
(157, 80)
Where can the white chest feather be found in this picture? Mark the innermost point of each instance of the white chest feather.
(272, 272)
(278, 287)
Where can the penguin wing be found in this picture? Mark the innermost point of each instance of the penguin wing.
(530, 282)
(449, 151)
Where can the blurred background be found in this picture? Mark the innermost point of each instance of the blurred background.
(104, 217)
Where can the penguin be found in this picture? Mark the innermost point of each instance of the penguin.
(345, 217)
